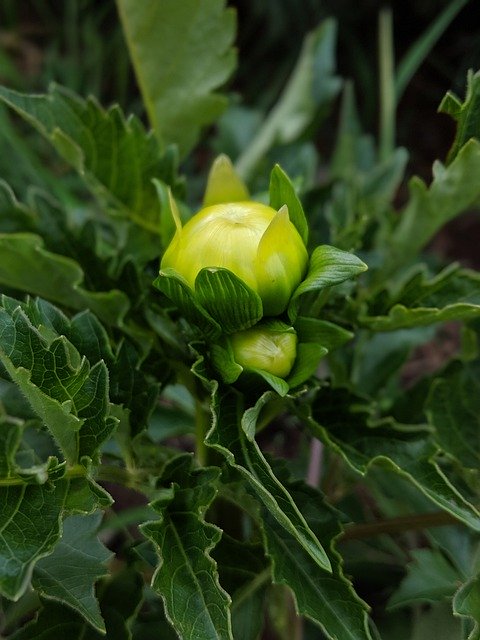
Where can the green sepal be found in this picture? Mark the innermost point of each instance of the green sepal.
(174, 287)
(277, 384)
(309, 355)
(328, 334)
(224, 185)
(228, 299)
(282, 192)
(328, 266)
(224, 362)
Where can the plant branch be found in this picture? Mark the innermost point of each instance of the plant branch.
(398, 525)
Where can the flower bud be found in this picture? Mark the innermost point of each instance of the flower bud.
(259, 245)
(271, 347)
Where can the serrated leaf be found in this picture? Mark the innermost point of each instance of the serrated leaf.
(228, 437)
(119, 601)
(430, 578)
(453, 410)
(344, 422)
(327, 599)
(203, 59)
(175, 288)
(68, 575)
(35, 511)
(451, 192)
(282, 192)
(27, 266)
(70, 397)
(467, 603)
(186, 576)
(466, 114)
(115, 156)
(228, 299)
(328, 266)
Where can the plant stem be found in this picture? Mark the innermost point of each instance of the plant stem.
(202, 424)
(260, 579)
(398, 525)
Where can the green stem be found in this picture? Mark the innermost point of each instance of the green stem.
(202, 424)
(387, 84)
(398, 525)
(260, 579)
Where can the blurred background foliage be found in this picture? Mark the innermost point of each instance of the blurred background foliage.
(79, 44)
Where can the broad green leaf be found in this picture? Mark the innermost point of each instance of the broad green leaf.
(228, 437)
(327, 599)
(453, 410)
(27, 266)
(451, 192)
(181, 52)
(282, 192)
(175, 288)
(430, 578)
(466, 114)
(29, 530)
(311, 87)
(344, 422)
(68, 575)
(328, 266)
(228, 299)
(467, 603)
(115, 156)
(245, 574)
(68, 395)
(120, 597)
(186, 576)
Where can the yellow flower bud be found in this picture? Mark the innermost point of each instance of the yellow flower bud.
(259, 245)
(269, 347)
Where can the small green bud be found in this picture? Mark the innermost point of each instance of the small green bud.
(271, 347)
(258, 244)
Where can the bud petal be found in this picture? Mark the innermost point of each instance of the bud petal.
(223, 184)
(271, 347)
(280, 263)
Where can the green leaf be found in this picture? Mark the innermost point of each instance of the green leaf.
(229, 438)
(327, 334)
(68, 395)
(245, 574)
(182, 71)
(175, 288)
(452, 294)
(430, 578)
(327, 599)
(186, 576)
(306, 363)
(345, 422)
(10, 437)
(68, 575)
(328, 266)
(119, 601)
(36, 512)
(282, 192)
(115, 156)
(467, 603)
(453, 410)
(25, 265)
(228, 299)
(466, 114)
(451, 192)
(310, 88)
